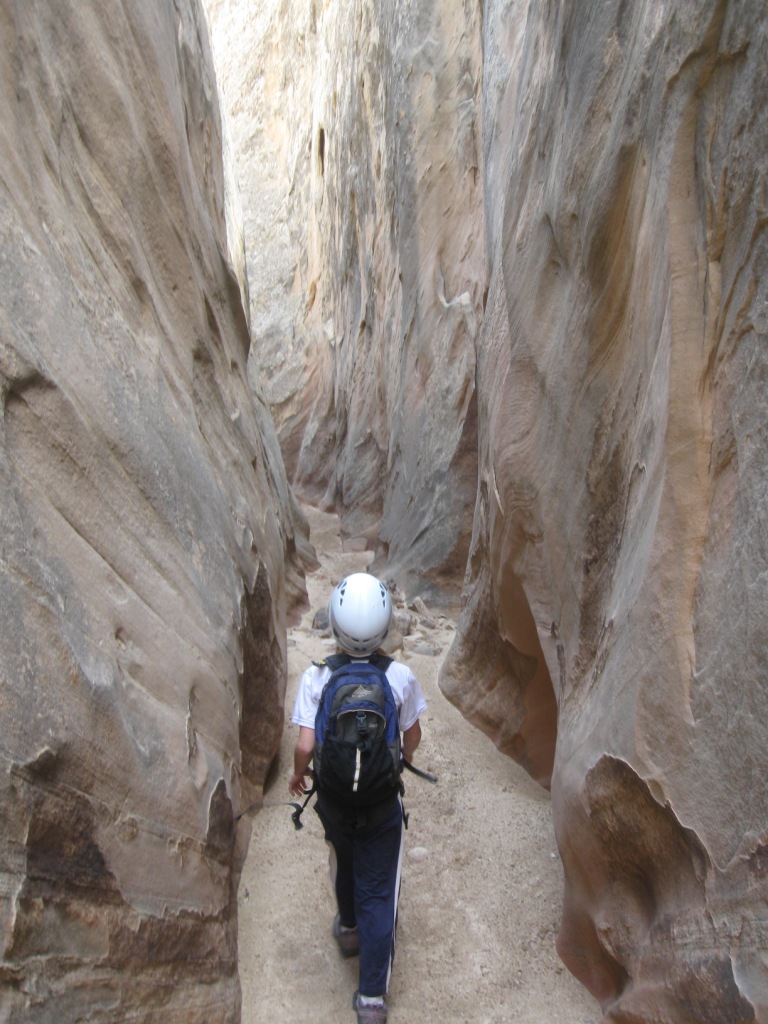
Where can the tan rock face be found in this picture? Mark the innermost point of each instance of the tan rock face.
(365, 118)
(613, 635)
(602, 168)
(146, 525)
(619, 543)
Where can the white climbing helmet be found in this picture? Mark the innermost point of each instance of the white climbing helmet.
(360, 611)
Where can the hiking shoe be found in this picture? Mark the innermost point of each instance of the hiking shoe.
(371, 1013)
(347, 939)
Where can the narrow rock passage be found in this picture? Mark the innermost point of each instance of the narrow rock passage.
(482, 881)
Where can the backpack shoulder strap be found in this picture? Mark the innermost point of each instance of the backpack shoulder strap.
(333, 661)
(381, 661)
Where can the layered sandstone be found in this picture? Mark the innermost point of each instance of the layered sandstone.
(357, 138)
(148, 555)
(610, 162)
(614, 634)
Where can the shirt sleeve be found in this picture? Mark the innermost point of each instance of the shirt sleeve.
(307, 699)
(414, 702)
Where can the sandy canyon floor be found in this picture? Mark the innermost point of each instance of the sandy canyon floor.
(482, 880)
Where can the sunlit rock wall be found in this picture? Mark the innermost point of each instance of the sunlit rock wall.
(146, 525)
(356, 129)
(620, 545)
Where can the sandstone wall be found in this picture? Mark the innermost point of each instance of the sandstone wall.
(552, 246)
(148, 556)
(356, 128)
(618, 582)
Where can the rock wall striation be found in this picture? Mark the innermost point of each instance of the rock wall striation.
(149, 555)
(356, 129)
(540, 229)
(614, 636)
(532, 280)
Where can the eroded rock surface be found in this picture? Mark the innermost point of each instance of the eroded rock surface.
(148, 553)
(619, 547)
(603, 168)
(356, 128)
(609, 160)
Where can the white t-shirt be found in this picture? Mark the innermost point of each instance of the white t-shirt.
(403, 683)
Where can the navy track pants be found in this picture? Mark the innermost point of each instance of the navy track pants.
(365, 870)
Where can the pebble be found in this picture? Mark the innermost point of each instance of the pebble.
(420, 645)
(418, 853)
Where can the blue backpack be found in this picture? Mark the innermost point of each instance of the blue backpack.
(356, 760)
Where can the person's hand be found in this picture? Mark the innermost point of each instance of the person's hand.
(297, 785)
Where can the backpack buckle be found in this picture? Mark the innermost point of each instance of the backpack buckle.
(362, 724)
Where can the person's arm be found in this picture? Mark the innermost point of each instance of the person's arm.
(302, 755)
(411, 740)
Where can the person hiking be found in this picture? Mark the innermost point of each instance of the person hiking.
(358, 788)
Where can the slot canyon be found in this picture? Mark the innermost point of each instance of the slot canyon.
(487, 281)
